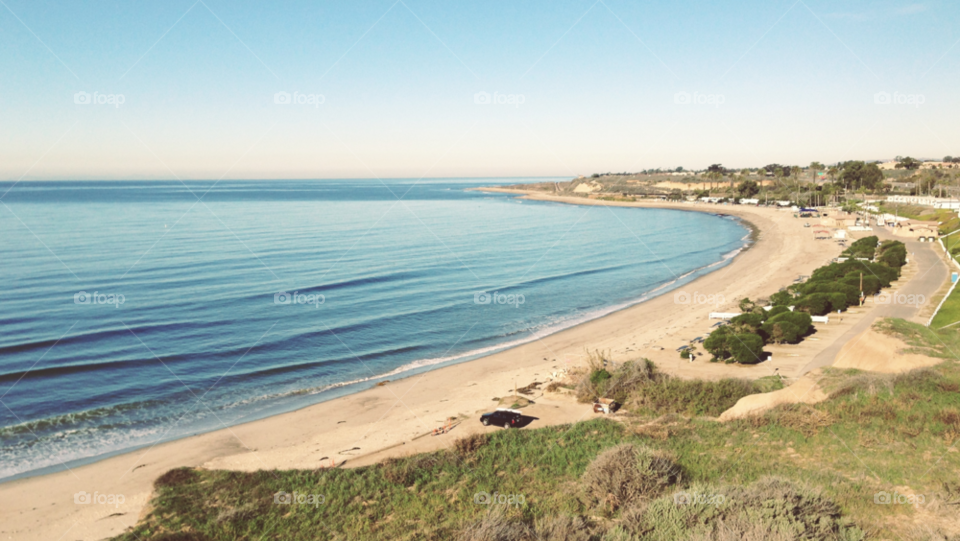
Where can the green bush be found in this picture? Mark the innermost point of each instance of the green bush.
(893, 253)
(694, 397)
(801, 320)
(816, 304)
(746, 348)
(717, 344)
(851, 292)
(782, 332)
(626, 473)
(781, 298)
(771, 509)
(748, 321)
(838, 301)
(777, 310)
(871, 284)
(865, 247)
(597, 377)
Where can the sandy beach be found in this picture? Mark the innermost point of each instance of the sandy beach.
(397, 418)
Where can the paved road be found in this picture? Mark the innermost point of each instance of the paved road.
(932, 274)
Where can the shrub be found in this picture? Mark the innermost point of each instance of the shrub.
(563, 527)
(771, 508)
(781, 298)
(782, 332)
(893, 253)
(838, 301)
(816, 304)
(625, 474)
(718, 343)
(597, 377)
(865, 247)
(871, 284)
(692, 397)
(777, 310)
(746, 348)
(801, 320)
(496, 526)
(628, 376)
(748, 322)
(852, 293)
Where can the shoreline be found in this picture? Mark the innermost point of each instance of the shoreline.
(414, 368)
(364, 425)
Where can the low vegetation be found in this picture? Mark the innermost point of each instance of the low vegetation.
(643, 389)
(871, 267)
(795, 472)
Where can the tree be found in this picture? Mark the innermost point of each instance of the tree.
(855, 175)
(908, 163)
(748, 189)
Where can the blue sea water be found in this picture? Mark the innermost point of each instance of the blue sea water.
(137, 312)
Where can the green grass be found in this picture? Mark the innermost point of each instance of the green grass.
(875, 433)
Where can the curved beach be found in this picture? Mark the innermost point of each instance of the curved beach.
(393, 418)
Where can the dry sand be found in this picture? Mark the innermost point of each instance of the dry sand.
(877, 352)
(804, 390)
(385, 420)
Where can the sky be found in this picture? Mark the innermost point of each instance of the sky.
(208, 89)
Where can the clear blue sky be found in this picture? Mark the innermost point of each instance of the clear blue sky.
(588, 86)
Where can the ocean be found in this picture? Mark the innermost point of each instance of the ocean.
(137, 312)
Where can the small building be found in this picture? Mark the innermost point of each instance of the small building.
(917, 229)
(750, 202)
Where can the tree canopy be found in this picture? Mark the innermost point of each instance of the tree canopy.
(857, 174)
(908, 163)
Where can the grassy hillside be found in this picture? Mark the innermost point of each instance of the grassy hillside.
(797, 472)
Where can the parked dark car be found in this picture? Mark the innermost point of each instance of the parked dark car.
(506, 418)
